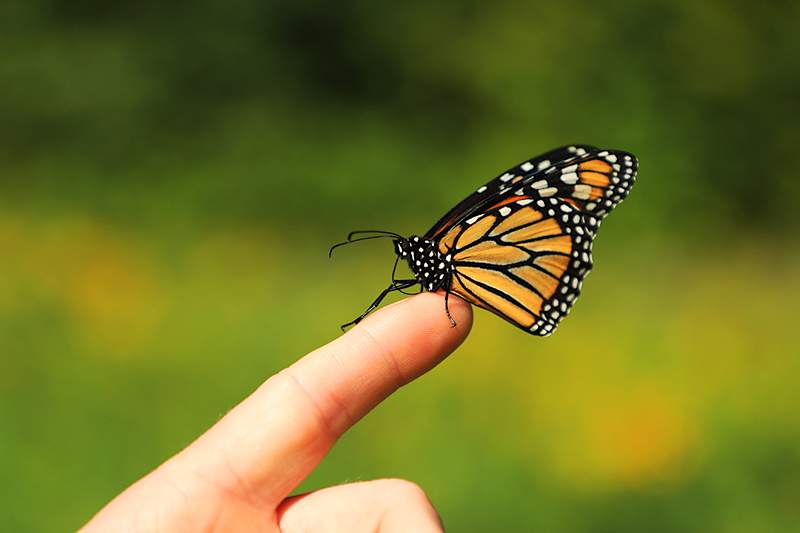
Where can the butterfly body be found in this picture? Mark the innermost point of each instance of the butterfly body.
(520, 246)
(431, 268)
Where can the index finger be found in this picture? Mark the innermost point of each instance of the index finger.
(272, 440)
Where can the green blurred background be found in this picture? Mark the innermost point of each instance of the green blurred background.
(171, 175)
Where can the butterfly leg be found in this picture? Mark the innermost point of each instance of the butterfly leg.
(397, 285)
(447, 309)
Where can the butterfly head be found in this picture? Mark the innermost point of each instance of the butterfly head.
(431, 268)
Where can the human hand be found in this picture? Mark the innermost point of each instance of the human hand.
(238, 475)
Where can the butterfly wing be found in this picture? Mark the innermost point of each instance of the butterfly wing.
(521, 244)
(524, 259)
(511, 177)
(595, 182)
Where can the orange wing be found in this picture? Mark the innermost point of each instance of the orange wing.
(524, 259)
(594, 183)
(511, 178)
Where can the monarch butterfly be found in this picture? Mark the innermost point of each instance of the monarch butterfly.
(521, 245)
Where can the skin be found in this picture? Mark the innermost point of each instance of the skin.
(238, 475)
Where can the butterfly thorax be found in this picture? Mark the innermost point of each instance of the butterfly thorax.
(430, 267)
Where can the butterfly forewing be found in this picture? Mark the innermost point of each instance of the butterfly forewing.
(524, 259)
(594, 182)
(511, 178)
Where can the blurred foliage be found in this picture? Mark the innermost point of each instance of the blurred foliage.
(172, 173)
(220, 108)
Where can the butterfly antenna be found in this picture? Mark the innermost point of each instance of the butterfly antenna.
(373, 231)
(350, 240)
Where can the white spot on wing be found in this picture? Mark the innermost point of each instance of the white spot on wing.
(582, 192)
(569, 178)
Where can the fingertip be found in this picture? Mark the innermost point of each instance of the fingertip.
(461, 311)
(426, 313)
(418, 332)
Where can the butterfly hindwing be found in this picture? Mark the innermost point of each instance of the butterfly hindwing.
(524, 258)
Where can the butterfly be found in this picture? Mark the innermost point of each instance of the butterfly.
(519, 246)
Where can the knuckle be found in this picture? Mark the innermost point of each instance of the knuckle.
(409, 505)
(408, 492)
